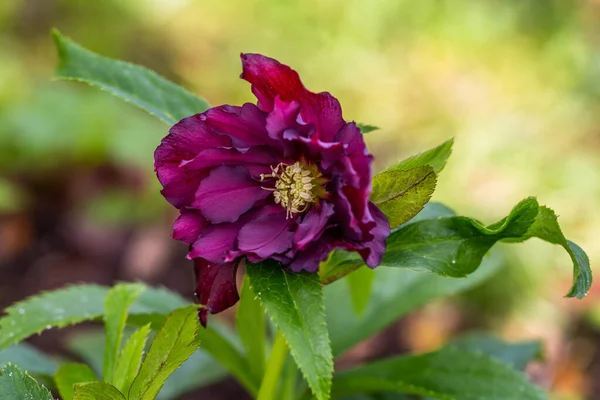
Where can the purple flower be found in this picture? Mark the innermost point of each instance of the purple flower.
(286, 179)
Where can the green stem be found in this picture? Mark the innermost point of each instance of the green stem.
(274, 367)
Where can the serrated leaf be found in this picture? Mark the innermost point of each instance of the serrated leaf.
(15, 384)
(97, 391)
(70, 374)
(130, 359)
(360, 283)
(395, 293)
(71, 305)
(250, 325)
(402, 194)
(29, 359)
(133, 83)
(435, 158)
(294, 301)
(174, 343)
(117, 303)
(516, 355)
(454, 246)
(446, 374)
(366, 128)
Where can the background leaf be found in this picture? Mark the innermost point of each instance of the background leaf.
(173, 344)
(435, 158)
(360, 283)
(70, 374)
(132, 83)
(401, 194)
(366, 128)
(97, 391)
(17, 385)
(250, 325)
(294, 302)
(447, 374)
(130, 359)
(117, 303)
(29, 359)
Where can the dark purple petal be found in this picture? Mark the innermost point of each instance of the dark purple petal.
(266, 235)
(270, 78)
(244, 125)
(214, 243)
(372, 251)
(257, 160)
(215, 286)
(312, 226)
(188, 226)
(227, 193)
(309, 259)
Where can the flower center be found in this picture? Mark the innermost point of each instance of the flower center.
(297, 186)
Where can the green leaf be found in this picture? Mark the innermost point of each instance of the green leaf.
(435, 158)
(97, 391)
(71, 305)
(360, 283)
(365, 128)
(401, 194)
(117, 303)
(29, 359)
(17, 385)
(132, 83)
(454, 246)
(130, 359)
(294, 302)
(516, 355)
(447, 374)
(70, 374)
(250, 324)
(174, 343)
(395, 293)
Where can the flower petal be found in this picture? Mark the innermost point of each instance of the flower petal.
(257, 160)
(309, 259)
(244, 125)
(215, 286)
(266, 235)
(312, 226)
(372, 251)
(270, 78)
(214, 242)
(227, 193)
(188, 226)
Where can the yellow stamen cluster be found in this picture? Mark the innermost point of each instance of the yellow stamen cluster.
(297, 186)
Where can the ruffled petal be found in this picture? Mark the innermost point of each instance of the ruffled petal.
(257, 160)
(214, 243)
(266, 235)
(372, 251)
(270, 78)
(309, 259)
(312, 226)
(188, 226)
(227, 193)
(215, 287)
(244, 125)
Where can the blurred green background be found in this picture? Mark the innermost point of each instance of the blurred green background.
(516, 82)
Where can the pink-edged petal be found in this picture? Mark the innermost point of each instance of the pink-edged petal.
(244, 125)
(189, 226)
(266, 235)
(313, 224)
(214, 242)
(215, 286)
(227, 193)
(270, 78)
(257, 160)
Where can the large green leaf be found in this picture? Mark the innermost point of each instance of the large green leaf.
(29, 359)
(130, 359)
(435, 158)
(97, 391)
(294, 302)
(17, 385)
(250, 325)
(517, 355)
(401, 194)
(176, 341)
(117, 303)
(448, 374)
(71, 305)
(70, 374)
(454, 246)
(395, 293)
(132, 83)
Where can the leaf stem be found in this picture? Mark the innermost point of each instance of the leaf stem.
(274, 367)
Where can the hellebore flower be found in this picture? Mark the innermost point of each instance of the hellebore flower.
(287, 179)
